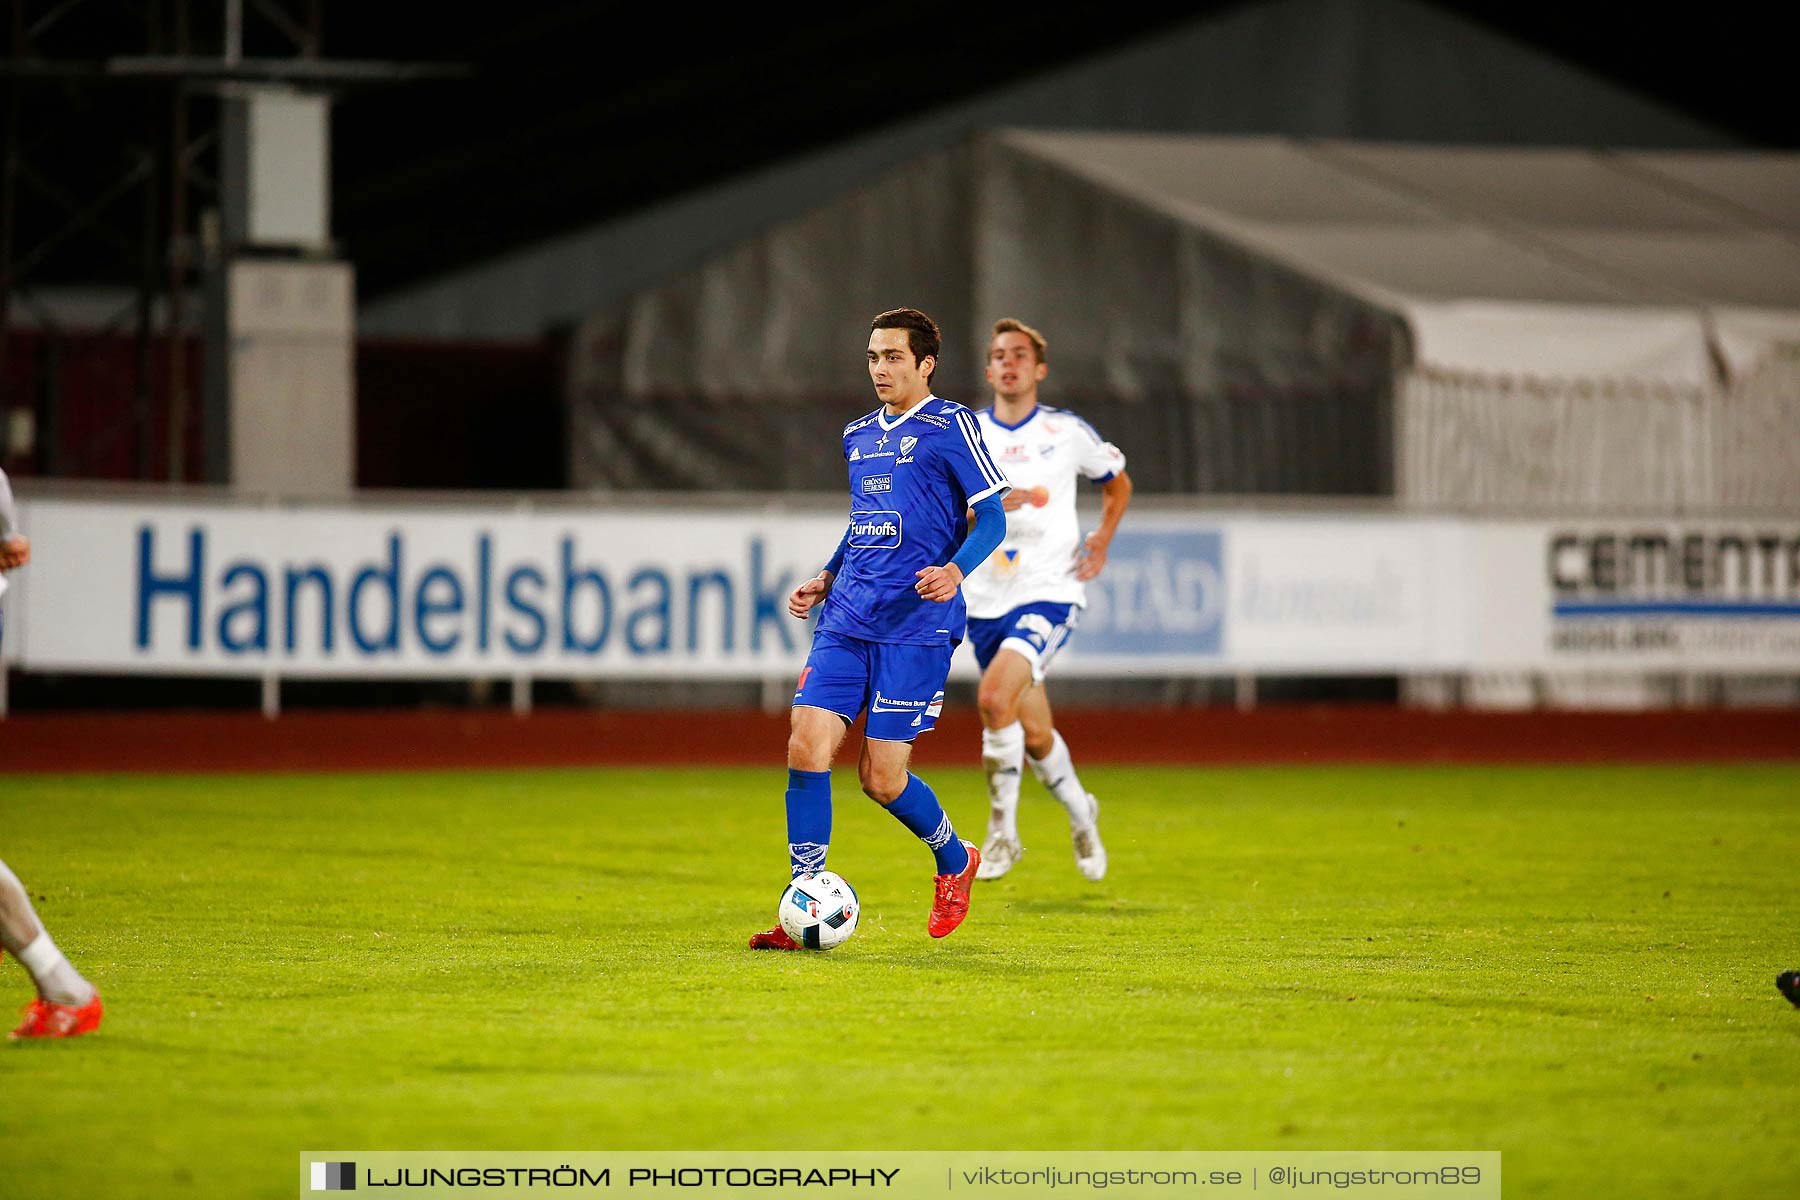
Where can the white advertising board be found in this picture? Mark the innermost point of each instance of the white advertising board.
(1201, 594)
(349, 591)
(1638, 594)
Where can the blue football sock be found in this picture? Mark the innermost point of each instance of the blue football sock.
(918, 809)
(808, 819)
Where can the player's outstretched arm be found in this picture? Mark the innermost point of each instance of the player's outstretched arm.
(1115, 496)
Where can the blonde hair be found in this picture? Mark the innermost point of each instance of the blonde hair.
(1010, 325)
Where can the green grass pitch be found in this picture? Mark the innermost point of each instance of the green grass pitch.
(1572, 966)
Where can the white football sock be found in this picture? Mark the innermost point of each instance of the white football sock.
(1056, 771)
(1003, 758)
(19, 925)
(57, 981)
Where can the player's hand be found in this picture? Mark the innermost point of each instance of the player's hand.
(802, 599)
(939, 584)
(1018, 498)
(1093, 557)
(15, 551)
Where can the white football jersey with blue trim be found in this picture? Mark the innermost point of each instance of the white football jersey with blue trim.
(1052, 449)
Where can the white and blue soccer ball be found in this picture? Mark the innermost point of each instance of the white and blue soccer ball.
(819, 910)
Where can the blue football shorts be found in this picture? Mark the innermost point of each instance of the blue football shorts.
(902, 686)
(1036, 631)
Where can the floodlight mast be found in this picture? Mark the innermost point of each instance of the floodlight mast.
(167, 256)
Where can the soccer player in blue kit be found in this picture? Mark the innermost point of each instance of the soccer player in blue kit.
(893, 610)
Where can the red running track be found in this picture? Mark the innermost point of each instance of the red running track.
(435, 739)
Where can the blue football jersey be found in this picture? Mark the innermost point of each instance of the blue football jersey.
(912, 480)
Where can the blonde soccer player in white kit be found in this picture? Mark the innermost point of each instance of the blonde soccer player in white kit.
(1025, 599)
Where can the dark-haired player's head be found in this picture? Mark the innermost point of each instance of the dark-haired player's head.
(903, 354)
(922, 335)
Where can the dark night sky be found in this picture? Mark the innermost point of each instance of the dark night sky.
(575, 112)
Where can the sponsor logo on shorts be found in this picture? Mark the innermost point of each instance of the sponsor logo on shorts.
(887, 704)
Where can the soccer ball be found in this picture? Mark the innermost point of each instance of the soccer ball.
(819, 911)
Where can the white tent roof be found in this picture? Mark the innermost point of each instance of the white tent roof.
(1543, 262)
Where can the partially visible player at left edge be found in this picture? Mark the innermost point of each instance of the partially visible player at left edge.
(66, 1004)
(893, 610)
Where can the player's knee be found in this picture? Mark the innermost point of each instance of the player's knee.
(808, 753)
(1039, 739)
(998, 704)
(883, 789)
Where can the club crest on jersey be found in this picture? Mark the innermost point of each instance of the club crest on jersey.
(907, 444)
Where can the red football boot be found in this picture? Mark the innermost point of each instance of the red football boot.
(775, 939)
(46, 1020)
(951, 903)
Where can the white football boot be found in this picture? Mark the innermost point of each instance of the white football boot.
(998, 856)
(1090, 854)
